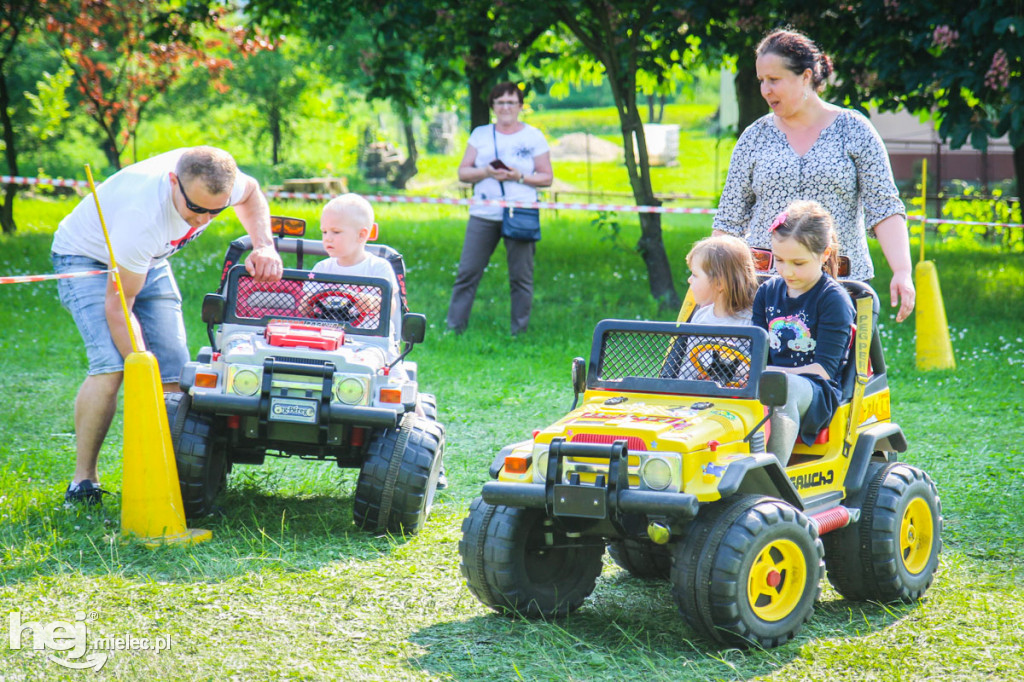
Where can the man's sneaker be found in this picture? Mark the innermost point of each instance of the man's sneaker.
(442, 479)
(84, 492)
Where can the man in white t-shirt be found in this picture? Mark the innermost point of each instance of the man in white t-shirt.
(151, 209)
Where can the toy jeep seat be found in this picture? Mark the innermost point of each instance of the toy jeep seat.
(876, 360)
(397, 264)
(311, 247)
(267, 299)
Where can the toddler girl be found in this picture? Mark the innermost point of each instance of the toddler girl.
(722, 280)
(808, 317)
(722, 283)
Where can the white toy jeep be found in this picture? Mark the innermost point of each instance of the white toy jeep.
(310, 367)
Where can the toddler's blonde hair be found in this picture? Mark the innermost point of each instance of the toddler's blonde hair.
(728, 264)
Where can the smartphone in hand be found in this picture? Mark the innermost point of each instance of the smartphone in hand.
(497, 163)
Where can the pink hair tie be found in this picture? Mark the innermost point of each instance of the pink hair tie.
(779, 220)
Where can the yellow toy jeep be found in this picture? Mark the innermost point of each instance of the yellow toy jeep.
(664, 463)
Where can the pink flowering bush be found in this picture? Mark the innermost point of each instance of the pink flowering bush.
(944, 36)
(998, 75)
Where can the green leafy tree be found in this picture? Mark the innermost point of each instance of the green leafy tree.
(48, 106)
(730, 32)
(123, 53)
(629, 38)
(17, 21)
(961, 63)
(964, 63)
(416, 52)
(474, 43)
(272, 82)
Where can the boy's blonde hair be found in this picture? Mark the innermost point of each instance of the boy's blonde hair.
(728, 264)
(810, 225)
(353, 206)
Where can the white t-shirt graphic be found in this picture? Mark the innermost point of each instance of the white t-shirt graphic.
(517, 151)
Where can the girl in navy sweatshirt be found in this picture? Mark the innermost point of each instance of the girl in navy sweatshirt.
(809, 318)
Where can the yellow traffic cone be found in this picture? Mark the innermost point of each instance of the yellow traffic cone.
(151, 506)
(934, 350)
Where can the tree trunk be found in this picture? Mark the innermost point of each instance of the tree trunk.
(408, 169)
(480, 83)
(275, 136)
(11, 152)
(748, 94)
(111, 152)
(1018, 171)
(7, 210)
(650, 246)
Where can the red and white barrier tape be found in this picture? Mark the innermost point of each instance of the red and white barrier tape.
(948, 221)
(21, 279)
(56, 182)
(400, 199)
(554, 205)
(501, 203)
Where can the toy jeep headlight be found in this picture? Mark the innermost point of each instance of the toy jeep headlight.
(244, 379)
(350, 390)
(540, 462)
(656, 473)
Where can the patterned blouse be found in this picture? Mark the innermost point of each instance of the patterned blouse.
(847, 171)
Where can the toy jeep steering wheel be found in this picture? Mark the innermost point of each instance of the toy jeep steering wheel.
(339, 306)
(719, 362)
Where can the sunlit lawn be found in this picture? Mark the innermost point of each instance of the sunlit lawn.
(288, 588)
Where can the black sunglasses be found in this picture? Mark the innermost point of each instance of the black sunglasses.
(196, 208)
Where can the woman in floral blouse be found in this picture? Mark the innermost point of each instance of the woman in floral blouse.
(807, 148)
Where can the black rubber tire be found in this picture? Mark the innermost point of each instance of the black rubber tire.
(429, 405)
(725, 554)
(642, 558)
(398, 479)
(506, 571)
(201, 462)
(874, 559)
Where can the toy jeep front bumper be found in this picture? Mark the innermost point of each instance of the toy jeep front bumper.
(608, 498)
(311, 408)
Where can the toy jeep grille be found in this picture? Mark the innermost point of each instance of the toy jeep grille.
(664, 357)
(361, 304)
(675, 356)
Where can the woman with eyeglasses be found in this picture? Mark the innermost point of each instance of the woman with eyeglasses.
(807, 148)
(151, 209)
(506, 159)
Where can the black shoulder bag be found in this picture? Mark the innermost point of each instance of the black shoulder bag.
(521, 224)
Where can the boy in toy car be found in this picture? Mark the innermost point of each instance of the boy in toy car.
(346, 223)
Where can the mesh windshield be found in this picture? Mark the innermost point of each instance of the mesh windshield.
(358, 305)
(724, 360)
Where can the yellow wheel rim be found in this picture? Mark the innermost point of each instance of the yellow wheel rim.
(777, 580)
(916, 538)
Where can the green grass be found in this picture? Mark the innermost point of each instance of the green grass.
(289, 589)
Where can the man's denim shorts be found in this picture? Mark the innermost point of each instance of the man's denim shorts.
(157, 308)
